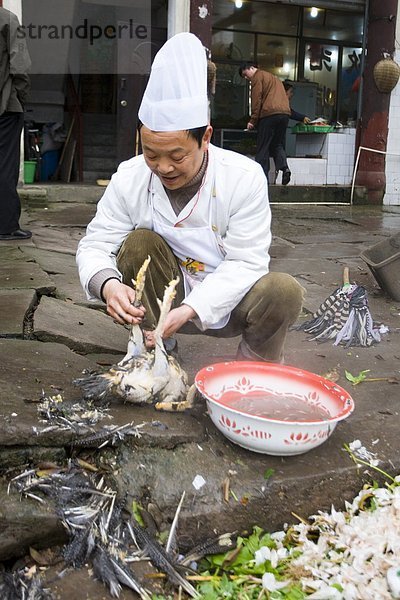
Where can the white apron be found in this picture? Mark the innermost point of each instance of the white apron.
(196, 248)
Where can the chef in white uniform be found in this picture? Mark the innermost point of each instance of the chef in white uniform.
(200, 212)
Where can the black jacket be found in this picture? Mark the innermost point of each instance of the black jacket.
(14, 65)
(296, 116)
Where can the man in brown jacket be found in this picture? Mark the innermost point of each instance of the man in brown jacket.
(270, 112)
(14, 88)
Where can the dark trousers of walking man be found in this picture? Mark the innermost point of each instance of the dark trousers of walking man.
(11, 124)
(14, 88)
(271, 136)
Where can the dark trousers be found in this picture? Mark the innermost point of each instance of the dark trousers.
(271, 137)
(262, 317)
(11, 124)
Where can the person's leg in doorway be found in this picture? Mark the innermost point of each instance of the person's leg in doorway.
(277, 147)
(265, 135)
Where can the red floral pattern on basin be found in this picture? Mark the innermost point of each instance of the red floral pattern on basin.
(246, 431)
(306, 438)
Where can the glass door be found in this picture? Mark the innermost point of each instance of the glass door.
(321, 67)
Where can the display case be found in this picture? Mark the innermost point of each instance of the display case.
(238, 140)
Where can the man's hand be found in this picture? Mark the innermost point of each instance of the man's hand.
(306, 120)
(119, 299)
(176, 318)
(250, 125)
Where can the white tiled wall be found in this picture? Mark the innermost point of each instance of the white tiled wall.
(340, 153)
(335, 167)
(307, 171)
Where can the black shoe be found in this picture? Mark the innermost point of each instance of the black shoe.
(18, 234)
(286, 176)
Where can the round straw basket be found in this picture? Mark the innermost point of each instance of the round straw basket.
(386, 75)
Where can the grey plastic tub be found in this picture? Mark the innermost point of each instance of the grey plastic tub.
(383, 260)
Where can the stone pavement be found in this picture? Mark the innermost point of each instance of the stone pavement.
(49, 333)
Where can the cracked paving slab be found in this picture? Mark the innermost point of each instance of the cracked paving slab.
(63, 271)
(16, 305)
(82, 329)
(24, 274)
(60, 239)
(64, 214)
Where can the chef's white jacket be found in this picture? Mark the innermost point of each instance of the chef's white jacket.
(241, 218)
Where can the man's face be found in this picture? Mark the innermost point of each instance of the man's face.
(173, 156)
(248, 73)
(289, 93)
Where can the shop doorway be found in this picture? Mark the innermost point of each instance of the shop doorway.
(90, 65)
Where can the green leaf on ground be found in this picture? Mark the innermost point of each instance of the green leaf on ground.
(356, 379)
(268, 473)
(137, 514)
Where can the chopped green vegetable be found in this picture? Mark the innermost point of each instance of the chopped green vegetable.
(268, 473)
(356, 379)
(136, 512)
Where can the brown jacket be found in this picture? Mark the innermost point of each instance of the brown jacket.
(268, 96)
(14, 64)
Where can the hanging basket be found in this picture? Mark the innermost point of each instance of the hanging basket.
(386, 75)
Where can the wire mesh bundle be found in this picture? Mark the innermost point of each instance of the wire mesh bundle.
(359, 328)
(343, 317)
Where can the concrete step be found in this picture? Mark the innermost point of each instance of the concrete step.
(102, 165)
(43, 194)
(95, 123)
(39, 194)
(93, 128)
(99, 146)
(317, 194)
(100, 151)
(99, 138)
(90, 177)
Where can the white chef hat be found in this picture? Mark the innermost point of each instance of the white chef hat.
(175, 98)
